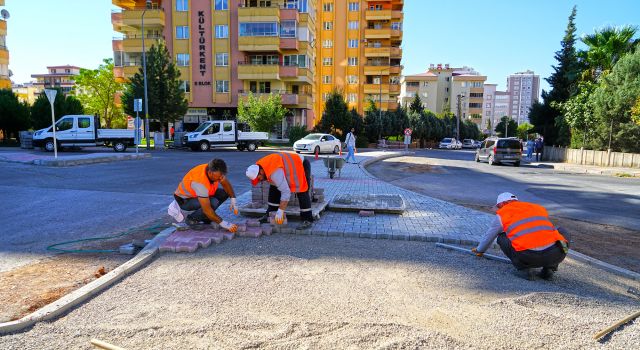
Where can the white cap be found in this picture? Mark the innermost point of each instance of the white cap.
(252, 172)
(506, 196)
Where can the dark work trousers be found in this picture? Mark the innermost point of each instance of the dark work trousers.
(303, 197)
(550, 257)
(192, 204)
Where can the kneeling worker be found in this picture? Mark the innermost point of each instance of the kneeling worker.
(526, 236)
(199, 192)
(286, 173)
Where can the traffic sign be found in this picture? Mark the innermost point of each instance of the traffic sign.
(408, 131)
(137, 105)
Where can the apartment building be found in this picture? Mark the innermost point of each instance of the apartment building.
(501, 106)
(444, 88)
(27, 92)
(5, 80)
(488, 109)
(524, 91)
(60, 77)
(224, 50)
(358, 52)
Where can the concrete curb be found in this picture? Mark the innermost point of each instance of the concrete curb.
(94, 160)
(604, 266)
(77, 297)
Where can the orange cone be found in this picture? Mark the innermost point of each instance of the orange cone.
(340, 152)
(317, 153)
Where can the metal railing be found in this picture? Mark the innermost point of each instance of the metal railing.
(275, 92)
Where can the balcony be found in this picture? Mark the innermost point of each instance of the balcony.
(396, 52)
(396, 33)
(288, 72)
(395, 69)
(248, 71)
(382, 33)
(117, 45)
(383, 51)
(259, 43)
(394, 89)
(152, 18)
(3, 27)
(376, 88)
(397, 15)
(379, 15)
(116, 20)
(133, 43)
(376, 69)
(258, 14)
(288, 44)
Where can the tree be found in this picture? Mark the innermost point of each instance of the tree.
(14, 115)
(260, 112)
(615, 97)
(511, 128)
(523, 130)
(562, 82)
(165, 96)
(63, 105)
(635, 112)
(605, 47)
(416, 105)
(578, 113)
(97, 89)
(335, 117)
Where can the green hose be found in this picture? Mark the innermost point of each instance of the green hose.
(153, 230)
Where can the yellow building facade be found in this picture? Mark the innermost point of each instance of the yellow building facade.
(5, 80)
(358, 52)
(226, 49)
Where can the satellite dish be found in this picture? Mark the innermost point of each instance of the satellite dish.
(5, 14)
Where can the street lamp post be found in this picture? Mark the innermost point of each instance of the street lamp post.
(144, 73)
(460, 98)
(380, 110)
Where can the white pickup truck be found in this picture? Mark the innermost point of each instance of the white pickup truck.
(82, 131)
(223, 133)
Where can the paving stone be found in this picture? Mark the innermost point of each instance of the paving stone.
(367, 234)
(351, 234)
(227, 236)
(253, 223)
(242, 228)
(252, 232)
(266, 229)
(366, 213)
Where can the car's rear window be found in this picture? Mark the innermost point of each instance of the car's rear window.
(508, 144)
(446, 140)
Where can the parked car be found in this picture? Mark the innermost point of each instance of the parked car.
(477, 144)
(318, 143)
(468, 143)
(449, 143)
(496, 150)
(82, 131)
(222, 133)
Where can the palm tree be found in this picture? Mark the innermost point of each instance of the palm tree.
(606, 47)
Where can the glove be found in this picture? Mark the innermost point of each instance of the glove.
(476, 252)
(229, 226)
(234, 206)
(279, 219)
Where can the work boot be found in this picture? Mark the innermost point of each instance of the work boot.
(194, 224)
(526, 273)
(304, 225)
(264, 219)
(546, 273)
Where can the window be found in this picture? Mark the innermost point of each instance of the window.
(353, 43)
(213, 129)
(64, 124)
(301, 5)
(182, 5)
(264, 87)
(182, 32)
(185, 86)
(475, 105)
(222, 31)
(259, 29)
(325, 96)
(352, 79)
(328, 25)
(326, 79)
(354, 6)
(84, 123)
(394, 80)
(327, 43)
(476, 94)
(488, 105)
(294, 60)
(182, 59)
(396, 25)
(227, 127)
(425, 83)
(353, 24)
(352, 98)
(352, 61)
(288, 29)
(222, 4)
(476, 84)
(327, 61)
(327, 7)
(222, 86)
(222, 59)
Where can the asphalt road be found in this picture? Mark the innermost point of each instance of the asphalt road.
(46, 205)
(455, 176)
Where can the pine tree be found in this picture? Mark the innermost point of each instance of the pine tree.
(416, 105)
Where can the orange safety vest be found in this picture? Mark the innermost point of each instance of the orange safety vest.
(527, 226)
(292, 166)
(197, 174)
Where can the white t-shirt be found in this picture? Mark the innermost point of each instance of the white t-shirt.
(351, 140)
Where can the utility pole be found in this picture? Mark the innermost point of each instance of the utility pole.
(144, 71)
(460, 97)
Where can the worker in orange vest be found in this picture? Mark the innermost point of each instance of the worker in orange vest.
(200, 192)
(287, 173)
(526, 236)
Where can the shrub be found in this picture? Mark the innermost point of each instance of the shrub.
(296, 133)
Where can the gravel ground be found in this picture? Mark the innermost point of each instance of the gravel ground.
(287, 291)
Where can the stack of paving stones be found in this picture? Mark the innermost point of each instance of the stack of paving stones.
(188, 241)
(260, 195)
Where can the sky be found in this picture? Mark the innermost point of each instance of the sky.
(495, 37)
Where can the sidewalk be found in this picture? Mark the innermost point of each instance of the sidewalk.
(35, 157)
(586, 169)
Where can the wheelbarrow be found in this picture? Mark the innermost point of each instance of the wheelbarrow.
(333, 164)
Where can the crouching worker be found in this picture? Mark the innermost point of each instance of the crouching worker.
(526, 236)
(287, 173)
(200, 192)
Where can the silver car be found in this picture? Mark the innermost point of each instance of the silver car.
(497, 150)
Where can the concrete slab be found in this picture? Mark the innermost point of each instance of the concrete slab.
(384, 203)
